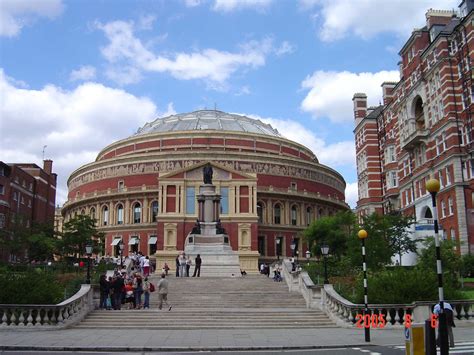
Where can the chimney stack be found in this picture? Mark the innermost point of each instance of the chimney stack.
(48, 166)
(360, 106)
(387, 90)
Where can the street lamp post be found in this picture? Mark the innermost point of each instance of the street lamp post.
(89, 253)
(433, 187)
(121, 253)
(278, 241)
(293, 246)
(362, 234)
(325, 252)
(308, 255)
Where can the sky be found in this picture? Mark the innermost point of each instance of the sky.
(77, 75)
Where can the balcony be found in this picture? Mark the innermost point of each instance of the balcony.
(413, 135)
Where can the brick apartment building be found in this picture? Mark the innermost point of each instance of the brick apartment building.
(423, 130)
(27, 192)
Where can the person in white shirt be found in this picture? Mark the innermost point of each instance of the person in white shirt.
(448, 309)
(146, 266)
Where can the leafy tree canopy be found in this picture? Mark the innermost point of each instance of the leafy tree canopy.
(79, 232)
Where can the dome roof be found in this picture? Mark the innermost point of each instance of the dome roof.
(207, 120)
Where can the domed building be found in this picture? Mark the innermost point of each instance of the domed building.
(142, 190)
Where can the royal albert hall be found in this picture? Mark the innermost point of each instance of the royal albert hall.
(142, 189)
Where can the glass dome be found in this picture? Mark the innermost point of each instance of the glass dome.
(208, 120)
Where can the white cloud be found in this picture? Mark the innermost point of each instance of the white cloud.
(352, 194)
(192, 3)
(330, 93)
(15, 14)
(146, 22)
(232, 5)
(74, 124)
(129, 57)
(366, 18)
(84, 73)
(285, 48)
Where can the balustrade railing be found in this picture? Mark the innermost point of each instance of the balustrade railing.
(61, 315)
(394, 314)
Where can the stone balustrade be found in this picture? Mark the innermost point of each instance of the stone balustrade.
(344, 312)
(61, 315)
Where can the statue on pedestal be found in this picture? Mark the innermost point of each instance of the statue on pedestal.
(207, 174)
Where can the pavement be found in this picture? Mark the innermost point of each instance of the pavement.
(119, 340)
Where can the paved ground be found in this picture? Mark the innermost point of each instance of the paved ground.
(136, 340)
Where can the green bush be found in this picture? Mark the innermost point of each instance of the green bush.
(401, 285)
(32, 287)
(467, 265)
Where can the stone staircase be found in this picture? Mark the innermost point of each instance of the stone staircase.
(254, 301)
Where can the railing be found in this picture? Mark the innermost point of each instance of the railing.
(34, 317)
(345, 312)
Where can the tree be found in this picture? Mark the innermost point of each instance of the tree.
(14, 238)
(79, 232)
(331, 230)
(43, 242)
(398, 234)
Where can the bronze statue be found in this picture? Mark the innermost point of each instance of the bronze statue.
(207, 174)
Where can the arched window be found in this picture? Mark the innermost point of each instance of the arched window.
(120, 214)
(294, 214)
(83, 212)
(277, 214)
(154, 211)
(320, 212)
(137, 213)
(260, 212)
(92, 213)
(428, 213)
(105, 215)
(308, 215)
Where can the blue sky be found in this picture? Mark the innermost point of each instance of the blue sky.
(78, 75)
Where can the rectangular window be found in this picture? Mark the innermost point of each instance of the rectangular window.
(2, 220)
(224, 200)
(450, 206)
(439, 145)
(443, 209)
(2, 190)
(15, 196)
(121, 185)
(448, 176)
(190, 200)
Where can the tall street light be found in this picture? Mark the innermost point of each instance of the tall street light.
(293, 246)
(308, 255)
(121, 253)
(278, 241)
(362, 234)
(89, 253)
(325, 252)
(433, 187)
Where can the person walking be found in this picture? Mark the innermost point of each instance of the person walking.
(448, 309)
(188, 265)
(146, 293)
(197, 267)
(163, 292)
(182, 265)
(146, 266)
(104, 291)
(177, 265)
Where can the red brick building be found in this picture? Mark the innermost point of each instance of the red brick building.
(142, 189)
(423, 130)
(28, 194)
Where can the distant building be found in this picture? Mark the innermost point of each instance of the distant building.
(423, 130)
(27, 195)
(58, 220)
(143, 189)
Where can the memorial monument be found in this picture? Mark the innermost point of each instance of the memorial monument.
(208, 238)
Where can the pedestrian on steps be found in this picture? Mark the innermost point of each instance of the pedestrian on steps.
(163, 292)
(197, 267)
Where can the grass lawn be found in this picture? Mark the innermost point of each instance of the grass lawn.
(468, 279)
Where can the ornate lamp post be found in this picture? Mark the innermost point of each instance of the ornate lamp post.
(121, 253)
(433, 187)
(293, 246)
(308, 255)
(278, 241)
(325, 252)
(89, 253)
(362, 234)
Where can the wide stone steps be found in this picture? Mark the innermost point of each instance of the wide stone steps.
(253, 302)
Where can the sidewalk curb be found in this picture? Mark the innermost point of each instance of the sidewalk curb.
(173, 348)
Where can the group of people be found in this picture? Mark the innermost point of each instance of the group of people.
(183, 265)
(141, 262)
